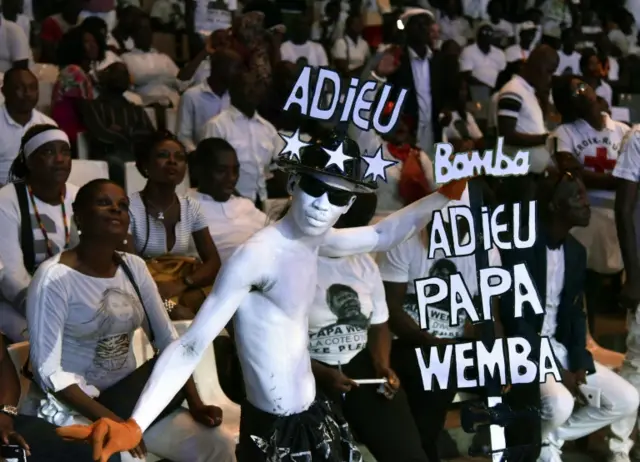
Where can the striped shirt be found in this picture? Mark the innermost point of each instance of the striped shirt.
(518, 100)
(149, 236)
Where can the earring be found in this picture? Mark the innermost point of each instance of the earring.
(79, 232)
(125, 242)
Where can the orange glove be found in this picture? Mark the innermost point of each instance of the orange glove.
(106, 436)
(454, 189)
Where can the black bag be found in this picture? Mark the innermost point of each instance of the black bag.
(121, 398)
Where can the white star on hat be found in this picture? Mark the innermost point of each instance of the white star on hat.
(337, 158)
(377, 165)
(293, 145)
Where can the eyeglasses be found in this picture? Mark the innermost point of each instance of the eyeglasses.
(581, 89)
(317, 188)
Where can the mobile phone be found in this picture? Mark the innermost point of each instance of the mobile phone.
(13, 453)
(592, 394)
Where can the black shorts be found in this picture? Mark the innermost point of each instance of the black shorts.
(318, 434)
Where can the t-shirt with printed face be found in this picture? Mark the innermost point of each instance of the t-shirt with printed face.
(349, 299)
(596, 150)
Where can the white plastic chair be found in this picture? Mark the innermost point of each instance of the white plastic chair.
(83, 145)
(84, 171)
(44, 96)
(19, 353)
(135, 182)
(205, 376)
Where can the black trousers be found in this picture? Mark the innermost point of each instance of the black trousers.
(319, 433)
(47, 446)
(385, 426)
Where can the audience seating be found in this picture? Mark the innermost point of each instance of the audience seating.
(135, 182)
(84, 171)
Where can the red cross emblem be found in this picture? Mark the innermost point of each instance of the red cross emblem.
(600, 162)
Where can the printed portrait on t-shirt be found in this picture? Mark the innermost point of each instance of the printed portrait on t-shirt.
(344, 302)
(118, 316)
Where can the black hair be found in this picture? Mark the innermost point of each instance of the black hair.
(84, 197)
(19, 170)
(15, 71)
(71, 48)
(352, 16)
(146, 144)
(208, 150)
(95, 24)
(360, 213)
(563, 98)
(587, 54)
(567, 31)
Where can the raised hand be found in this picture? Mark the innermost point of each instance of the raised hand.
(106, 436)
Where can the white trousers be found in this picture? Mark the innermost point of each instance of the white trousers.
(12, 323)
(561, 421)
(630, 370)
(181, 439)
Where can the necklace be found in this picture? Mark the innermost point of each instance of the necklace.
(65, 220)
(160, 215)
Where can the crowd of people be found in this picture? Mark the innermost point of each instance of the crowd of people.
(324, 288)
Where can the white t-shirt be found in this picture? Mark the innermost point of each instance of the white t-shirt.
(628, 164)
(516, 53)
(457, 29)
(569, 63)
(230, 223)
(312, 52)
(517, 99)
(211, 16)
(14, 45)
(605, 91)
(504, 29)
(16, 278)
(81, 327)
(349, 299)
(483, 67)
(597, 151)
(356, 54)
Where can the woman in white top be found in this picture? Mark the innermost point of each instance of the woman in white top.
(83, 308)
(351, 52)
(589, 140)
(40, 198)
(349, 339)
(231, 219)
(164, 223)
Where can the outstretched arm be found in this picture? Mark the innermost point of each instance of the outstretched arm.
(178, 361)
(394, 229)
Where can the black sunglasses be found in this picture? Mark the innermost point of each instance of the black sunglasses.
(317, 188)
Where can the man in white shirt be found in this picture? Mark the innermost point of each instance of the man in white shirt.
(255, 140)
(331, 27)
(204, 101)
(154, 74)
(17, 115)
(521, 119)
(520, 51)
(482, 62)
(503, 30)
(300, 48)
(561, 264)
(12, 10)
(453, 26)
(232, 219)
(14, 46)
(569, 57)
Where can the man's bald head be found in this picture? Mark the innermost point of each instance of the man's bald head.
(225, 64)
(540, 67)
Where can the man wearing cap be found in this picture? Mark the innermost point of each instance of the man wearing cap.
(481, 61)
(415, 73)
(269, 284)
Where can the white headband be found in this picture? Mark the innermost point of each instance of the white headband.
(42, 138)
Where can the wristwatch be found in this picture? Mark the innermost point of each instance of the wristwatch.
(188, 281)
(11, 411)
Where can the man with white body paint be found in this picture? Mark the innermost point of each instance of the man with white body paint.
(269, 285)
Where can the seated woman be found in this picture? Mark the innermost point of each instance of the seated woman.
(79, 50)
(83, 308)
(35, 212)
(461, 129)
(231, 219)
(163, 224)
(588, 141)
(350, 339)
